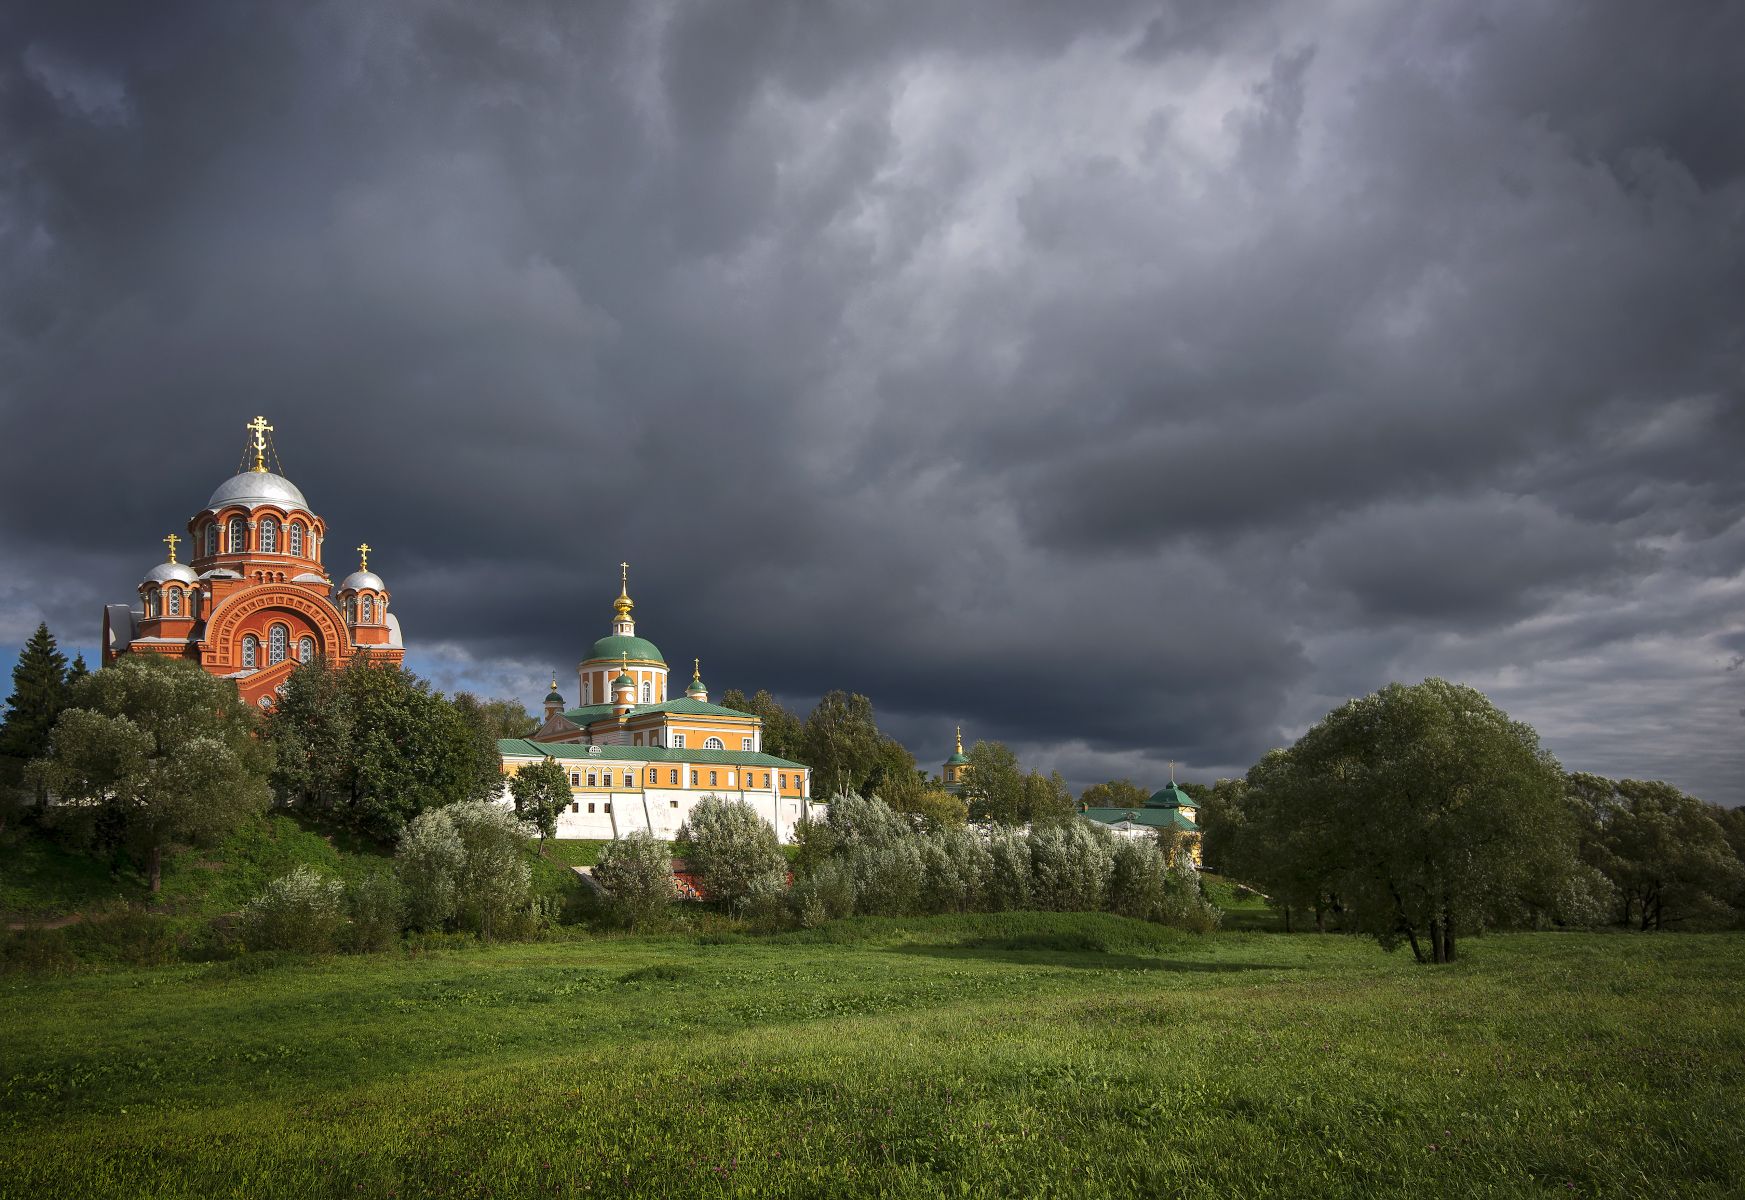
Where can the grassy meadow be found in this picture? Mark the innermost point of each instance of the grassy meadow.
(1023, 1054)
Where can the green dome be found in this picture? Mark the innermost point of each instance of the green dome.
(552, 697)
(621, 646)
(957, 759)
(623, 681)
(1170, 797)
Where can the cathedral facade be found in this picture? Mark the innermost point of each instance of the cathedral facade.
(637, 760)
(255, 600)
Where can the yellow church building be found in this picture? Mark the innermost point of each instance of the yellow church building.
(637, 760)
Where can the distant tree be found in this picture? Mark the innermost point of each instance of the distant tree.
(842, 743)
(370, 747)
(496, 718)
(1048, 801)
(993, 785)
(540, 791)
(937, 808)
(158, 751)
(1071, 866)
(39, 693)
(1117, 793)
(635, 872)
(1431, 810)
(734, 851)
(895, 778)
(1663, 850)
(783, 732)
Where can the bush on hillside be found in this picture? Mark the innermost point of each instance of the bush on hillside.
(302, 911)
(463, 866)
(1070, 866)
(378, 912)
(1185, 905)
(887, 877)
(827, 894)
(635, 872)
(1008, 887)
(733, 851)
(1138, 879)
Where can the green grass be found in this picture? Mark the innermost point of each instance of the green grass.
(1023, 1054)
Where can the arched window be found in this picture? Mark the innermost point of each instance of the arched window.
(251, 652)
(647, 692)
(238, 535)
(297, 538)
(277, 638)
(269, 536)
(305, 649)
(369, 611)
(175, 600)
(713, 744)
(211, 538)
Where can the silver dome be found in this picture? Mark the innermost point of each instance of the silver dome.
(171, 572)
(359, 580)
(258, 487)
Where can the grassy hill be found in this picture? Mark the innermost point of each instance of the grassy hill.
(1021, 1054)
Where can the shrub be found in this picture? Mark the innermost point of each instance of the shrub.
(495, 880)
(1138, 880)
(955, 866)
(732, 849)
(887, 878)
(635, 872)
(378, 912)
(302, 911)
(856, 821)
(1008, 871)
(827, 894)
(465, 864)
(428, 863)
(1185, 905)
(1070, 867)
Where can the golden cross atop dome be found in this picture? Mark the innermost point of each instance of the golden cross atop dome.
(260, 428)
(364, 563)
(960, 739)
(1172, 770)
(696, 668)
(622, 606)
(171, 542)
(624, 578)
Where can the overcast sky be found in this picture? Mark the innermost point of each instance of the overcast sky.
(1124, 381)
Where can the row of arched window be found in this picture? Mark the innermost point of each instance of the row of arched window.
(364, 610)
(168, 602)
(278, 646)
(295, 538)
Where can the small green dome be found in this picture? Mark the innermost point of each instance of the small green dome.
(696, 688)
(623, 681)
(621, 646)
(1170, 796)
(552, 697)
(958, 758)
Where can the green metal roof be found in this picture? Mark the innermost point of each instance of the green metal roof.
(621, 646)
(958, 757)
(568, 751)
(552, 697)
(624, 680)
(1170, 796)
(1156, 818)
(685, 707)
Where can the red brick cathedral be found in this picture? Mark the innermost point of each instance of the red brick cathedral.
(254, 601)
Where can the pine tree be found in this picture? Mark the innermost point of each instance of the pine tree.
(39, 692)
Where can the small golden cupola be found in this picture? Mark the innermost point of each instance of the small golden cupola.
(623, 624)
(697, 689)
(957, 766)
(553, 699)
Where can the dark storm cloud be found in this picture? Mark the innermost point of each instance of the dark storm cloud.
(1127, 381)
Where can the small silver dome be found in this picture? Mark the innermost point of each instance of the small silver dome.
(258, 487)
(359, 580)
(168, 572)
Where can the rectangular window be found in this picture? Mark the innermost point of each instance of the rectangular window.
(678, 741)
(608, 806)
(575, 779)
(636, 740)
(673, 776)
(673, 803)
(784, 780)
(745, 743)
(653, 775)
(593, 779)
(575, 806)
(693, 779)
(590, 808)
(713, 778)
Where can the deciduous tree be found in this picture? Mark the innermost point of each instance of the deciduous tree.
(540, 790)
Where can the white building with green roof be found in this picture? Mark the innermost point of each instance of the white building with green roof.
(639, 761)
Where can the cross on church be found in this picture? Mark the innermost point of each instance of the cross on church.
(623, 576)
(365, 551)
(1172, 770)
(261, 429)
(172, 541)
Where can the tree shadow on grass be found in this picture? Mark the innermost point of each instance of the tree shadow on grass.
(1049, 951)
